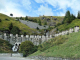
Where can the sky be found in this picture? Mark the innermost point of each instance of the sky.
(35, 8)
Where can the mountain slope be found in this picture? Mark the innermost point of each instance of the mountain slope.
(6, 20)
(33, 25)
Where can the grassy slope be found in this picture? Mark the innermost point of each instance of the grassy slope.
(5, 24)
(5, 46)
(59, 19)
(62, 46)
(74, 23)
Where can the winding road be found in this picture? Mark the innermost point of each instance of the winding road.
(14, 58)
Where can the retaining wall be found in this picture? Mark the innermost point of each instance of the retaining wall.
(11, 54)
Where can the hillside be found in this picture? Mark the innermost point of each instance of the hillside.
(74, 23)
(50, 20)
(6, 20)
(63, 27)
(61, 46)
(33, 24)
(5, 46)
(47, 22)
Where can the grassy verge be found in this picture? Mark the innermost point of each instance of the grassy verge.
(5, 46)
(68, 48)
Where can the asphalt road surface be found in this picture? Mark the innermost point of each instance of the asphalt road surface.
(14, 58)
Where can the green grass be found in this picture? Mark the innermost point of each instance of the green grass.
(67, 46)
(74, 23)
(5, 23)
(5, 46)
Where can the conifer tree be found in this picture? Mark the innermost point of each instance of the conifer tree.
(40, 22)
(45, 23)
(78, 15)
(68, 18)
(26, 18)
(10, 26)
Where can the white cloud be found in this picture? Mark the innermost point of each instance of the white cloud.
(10, 7)
(18, 8)
(61, 14)
(44, 10)
(27, 4)
(40, 1)
(64, 4)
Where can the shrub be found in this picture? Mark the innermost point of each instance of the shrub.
(39, 22)
(26, 18)
(27, 48)
(7, 19)
(40, 48)
(0, 20)
(15, 30)
(5, 46)
(45, 23)
(52, 42)
(10, 26)
(24, 33)
(37, 28)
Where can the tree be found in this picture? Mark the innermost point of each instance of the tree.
(39, 22)
(15, 30)
(24, 33)
(11, 14)
(21, 17)
(68, 18)
(37, 28)
(72, 17)
(35, 20)
(0, 20)
(26, 48)
(78, 16)
(67, 14)
(10, 26)
(45, 23)
(26, 18)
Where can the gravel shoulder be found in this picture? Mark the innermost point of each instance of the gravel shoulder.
(15, 58)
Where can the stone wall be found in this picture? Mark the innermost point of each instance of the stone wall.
(11, 54)
(35, 39)
(51, 58)
(71, 30)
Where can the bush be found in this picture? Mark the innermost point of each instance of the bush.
(5, 46)
(24, 33)
(52, 42)
(27, 48)
(6, 19)
(15, 30)
(37, 28)
(39, 22)
(0, 20)
(10, 26)
(26, 18)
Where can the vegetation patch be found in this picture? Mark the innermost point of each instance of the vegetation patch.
(27, 48)
(5, 46)
(5, 22)
(66, 46)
